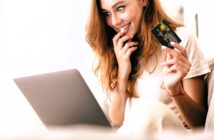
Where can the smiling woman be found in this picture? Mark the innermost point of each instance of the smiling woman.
(113, 15)
(48, 35)
(134, 68)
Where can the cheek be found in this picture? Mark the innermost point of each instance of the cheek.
(137, 19)
(127, 16)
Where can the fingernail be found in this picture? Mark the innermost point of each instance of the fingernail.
(122, 30)
(172, 43)
(163, 47)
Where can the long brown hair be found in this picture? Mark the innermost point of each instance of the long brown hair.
(99, 36)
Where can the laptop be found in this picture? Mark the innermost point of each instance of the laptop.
(62, 98)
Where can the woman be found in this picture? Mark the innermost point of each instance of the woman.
(134, 68)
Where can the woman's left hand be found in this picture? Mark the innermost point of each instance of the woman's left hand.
(175, 67)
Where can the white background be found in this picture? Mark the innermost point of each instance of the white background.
(38, 36)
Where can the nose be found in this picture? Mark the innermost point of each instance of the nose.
(116, 20)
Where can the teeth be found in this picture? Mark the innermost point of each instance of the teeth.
(123, 29)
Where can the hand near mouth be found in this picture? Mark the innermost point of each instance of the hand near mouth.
(123, 48)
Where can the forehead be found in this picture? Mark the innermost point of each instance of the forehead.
(108, 4)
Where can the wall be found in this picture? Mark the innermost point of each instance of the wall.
(197, 16)
(38, 36)
(42, 35)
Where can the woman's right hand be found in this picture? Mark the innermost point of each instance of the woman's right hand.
(123, 49)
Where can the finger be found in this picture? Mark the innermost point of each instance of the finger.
(174, 54)
(130, 51)
(124, 39)
(174, 61)
(177, 69)
(173, 65)
(117, 36)
(179, 48)
(129, 48)
(178, 66)
(130, 44)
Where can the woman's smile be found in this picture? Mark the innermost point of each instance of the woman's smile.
(122, 15)
(125, 29)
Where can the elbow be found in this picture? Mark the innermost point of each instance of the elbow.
(196, 126)
(197, 123)
(116, 121)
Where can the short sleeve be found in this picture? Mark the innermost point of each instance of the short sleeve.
(199, 65)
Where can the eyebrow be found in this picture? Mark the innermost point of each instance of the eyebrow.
(120, 2)
(115, 5)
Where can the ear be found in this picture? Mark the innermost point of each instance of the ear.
(144, 3)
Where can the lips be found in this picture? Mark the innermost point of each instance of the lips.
(124, 29)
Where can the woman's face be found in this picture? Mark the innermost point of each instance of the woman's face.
(123, 15)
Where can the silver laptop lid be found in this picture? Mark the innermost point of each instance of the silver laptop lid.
(62, 98)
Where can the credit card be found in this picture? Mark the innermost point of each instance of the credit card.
(165, 34)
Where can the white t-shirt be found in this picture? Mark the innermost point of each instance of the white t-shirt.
(148, 85)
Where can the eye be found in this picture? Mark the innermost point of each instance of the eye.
(106, 14)
(120, 8)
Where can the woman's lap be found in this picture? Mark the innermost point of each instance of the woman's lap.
(151, 118)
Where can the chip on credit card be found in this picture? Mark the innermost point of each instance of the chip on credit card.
(165, 34)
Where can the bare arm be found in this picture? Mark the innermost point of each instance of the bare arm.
(118, 103)
(123, 52)
(192, 105)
